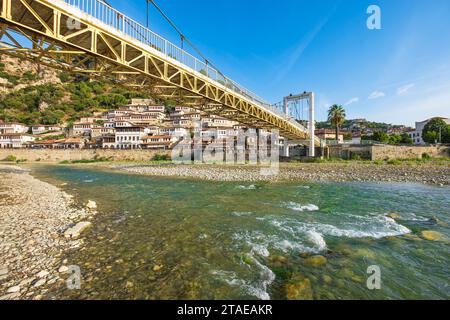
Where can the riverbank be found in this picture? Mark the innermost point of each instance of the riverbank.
(308, 172)
(33, 218)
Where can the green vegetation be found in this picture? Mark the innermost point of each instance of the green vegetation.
(426, 156)
(336, 116)
(84, 161)
(161, 157)
(60, 103)
(10, 158)
(394, 139)
(394, 162)
(436, 131)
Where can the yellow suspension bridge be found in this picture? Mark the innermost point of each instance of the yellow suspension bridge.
(92, 38)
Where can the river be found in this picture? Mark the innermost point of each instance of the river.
(161, 238)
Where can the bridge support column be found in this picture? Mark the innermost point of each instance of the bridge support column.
(312, 127)
(286, 148)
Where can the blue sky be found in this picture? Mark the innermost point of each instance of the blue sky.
(399, 74)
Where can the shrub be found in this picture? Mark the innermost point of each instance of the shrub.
(161, 157)
(426, 156)
(394, 162)
(378, 162)
(10, 158)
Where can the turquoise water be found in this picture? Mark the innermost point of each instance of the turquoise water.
(158, 238)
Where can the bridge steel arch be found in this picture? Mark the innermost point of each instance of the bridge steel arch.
(59, 35)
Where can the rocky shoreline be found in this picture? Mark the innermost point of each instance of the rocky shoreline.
(38, 223)
(308, 172)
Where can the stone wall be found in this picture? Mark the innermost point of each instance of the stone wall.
(350, 152)
(386, 152)
(383, 152)
(58, 155)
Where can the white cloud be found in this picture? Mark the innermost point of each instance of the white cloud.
(376, 95)
(404, 89)
(351, 101)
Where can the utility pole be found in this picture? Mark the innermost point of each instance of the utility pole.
(440, 134)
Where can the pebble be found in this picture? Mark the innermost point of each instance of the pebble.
(63, 269)
(40, 283)
(301, 172)
(31, 233)
(91, 205)
(42, 274)
(157, 268)
(13, 289)
(3, 271)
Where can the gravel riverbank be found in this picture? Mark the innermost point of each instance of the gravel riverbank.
(33, 218)
(310, 172)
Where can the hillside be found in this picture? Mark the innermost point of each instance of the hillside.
(33, 94)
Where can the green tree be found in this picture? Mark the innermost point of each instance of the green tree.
(406, 139)
(381, 136)
(437, 130)
(336, 116)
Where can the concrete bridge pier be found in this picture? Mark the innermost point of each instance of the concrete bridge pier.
(286, 148)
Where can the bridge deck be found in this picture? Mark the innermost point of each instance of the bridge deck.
(89, 37)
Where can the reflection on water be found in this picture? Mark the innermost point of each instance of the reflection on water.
(161, 238)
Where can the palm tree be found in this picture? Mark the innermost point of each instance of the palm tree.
(336, 116)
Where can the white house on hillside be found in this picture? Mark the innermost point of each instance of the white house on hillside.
(14, 140)
(13, 128)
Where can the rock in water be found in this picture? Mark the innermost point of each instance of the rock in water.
(76, 231)
(316, 261)
(394, 216)
(299, 289)
(432, 235)
(91, 205)
(157, 268)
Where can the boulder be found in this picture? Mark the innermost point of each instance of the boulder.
(316, 261)
(432, 235)
(76, 231)
(394, 216)
(299, 288)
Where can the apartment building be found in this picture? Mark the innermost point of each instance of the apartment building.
(13, 128)
(41, 128)
(130, 137)
(14, 140)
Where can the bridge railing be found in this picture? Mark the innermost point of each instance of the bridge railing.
(118, 21)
